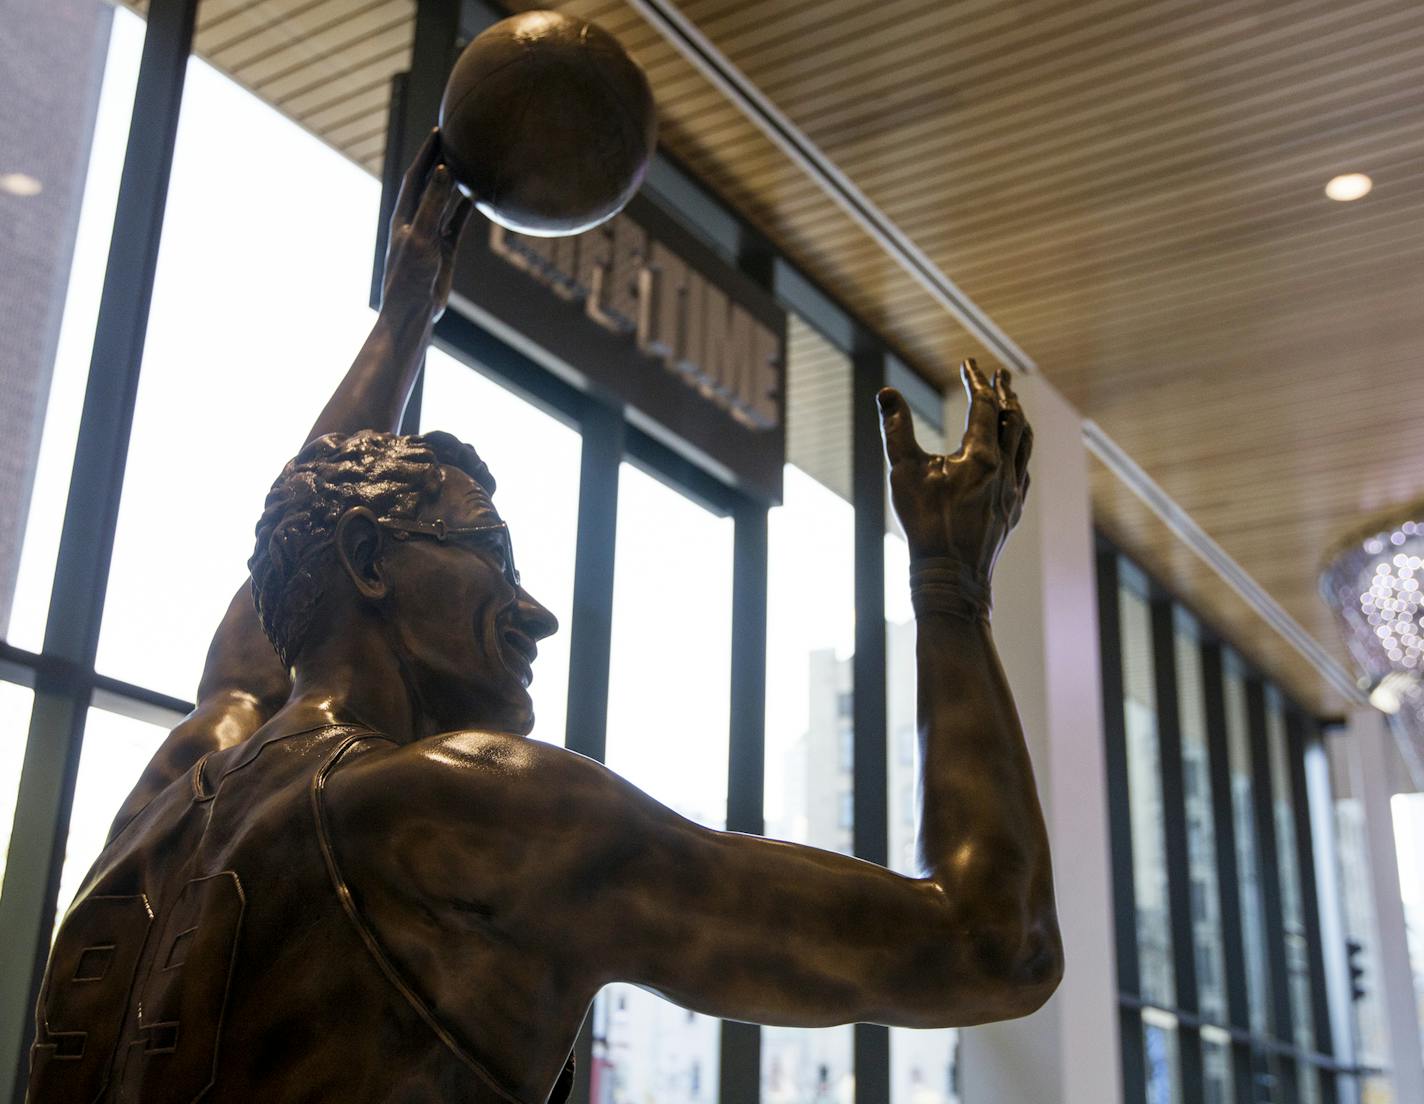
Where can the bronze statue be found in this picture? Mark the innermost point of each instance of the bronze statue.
(364, 883)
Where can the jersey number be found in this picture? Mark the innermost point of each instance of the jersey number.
(168, 1030)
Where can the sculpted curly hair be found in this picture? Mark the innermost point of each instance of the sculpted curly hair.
(391, 475)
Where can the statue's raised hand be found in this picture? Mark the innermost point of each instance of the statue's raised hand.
(429, 215)
(963, 505)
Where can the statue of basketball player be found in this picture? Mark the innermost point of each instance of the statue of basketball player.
(366, 883)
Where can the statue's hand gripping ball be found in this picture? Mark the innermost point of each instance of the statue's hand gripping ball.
(548, 123)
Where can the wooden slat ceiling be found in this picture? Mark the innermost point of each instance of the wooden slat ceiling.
(1133, 191)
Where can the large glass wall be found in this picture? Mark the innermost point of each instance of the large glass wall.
(1216, 778)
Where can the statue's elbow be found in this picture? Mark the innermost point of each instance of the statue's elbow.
(1036, 975)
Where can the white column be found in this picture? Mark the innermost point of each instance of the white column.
(1046, 627)
(1370, 745)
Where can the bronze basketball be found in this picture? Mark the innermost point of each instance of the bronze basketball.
(548, 123)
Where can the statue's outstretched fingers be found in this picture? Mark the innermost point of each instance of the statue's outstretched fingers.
(437, 197)
(981, 431)
(457, 210)
(1021, 458)
(1011, 417)
(413, 183)
(897, 427)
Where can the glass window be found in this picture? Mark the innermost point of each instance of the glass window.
(535, 461)
(115, 752)
(810, 641)
(1144, 788)
(1248, 868)
(1297, 945)
(1352, 854)
(62, 232)
(15, 705)
(1201, 831)
(1160, 1042)
(259, 305)
(1201, 862)
(1157, 981)
(1407, 811)
(1216, 1066)
(668, 730)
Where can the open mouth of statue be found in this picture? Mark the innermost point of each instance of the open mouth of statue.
(521, 652)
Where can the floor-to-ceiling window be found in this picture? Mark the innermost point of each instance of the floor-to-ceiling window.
(1218, 920)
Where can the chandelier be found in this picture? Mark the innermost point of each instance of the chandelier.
(1374, 583)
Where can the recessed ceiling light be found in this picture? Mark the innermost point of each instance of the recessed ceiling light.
(1349, 186)
(20, 184)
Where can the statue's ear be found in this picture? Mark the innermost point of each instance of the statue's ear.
(358, 548)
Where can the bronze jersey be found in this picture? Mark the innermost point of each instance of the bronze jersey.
(215, 953)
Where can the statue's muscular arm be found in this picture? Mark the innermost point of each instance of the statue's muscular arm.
(588, 879)
(243, 683)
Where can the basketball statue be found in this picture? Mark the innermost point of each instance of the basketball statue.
(350, 875)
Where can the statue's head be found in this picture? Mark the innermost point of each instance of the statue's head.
(398, 537)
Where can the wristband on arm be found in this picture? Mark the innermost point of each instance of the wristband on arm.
(944, 584)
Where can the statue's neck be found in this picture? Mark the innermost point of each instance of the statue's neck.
(356, 677)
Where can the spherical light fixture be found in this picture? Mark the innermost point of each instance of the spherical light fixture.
(1374, 583)
(1348, 187)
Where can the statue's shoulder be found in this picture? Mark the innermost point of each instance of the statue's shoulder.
(467, 771)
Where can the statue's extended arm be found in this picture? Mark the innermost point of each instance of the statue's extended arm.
(243, 683)
(594, 881)
(747, 929)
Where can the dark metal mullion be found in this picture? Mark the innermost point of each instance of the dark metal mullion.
(1174, 829)
(591, 634)
(1299, 732)
(1134, 1068)
(870, 777)
(62, 691)
(740, 1061)
(1233, 950)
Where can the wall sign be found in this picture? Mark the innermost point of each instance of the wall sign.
(641, 308)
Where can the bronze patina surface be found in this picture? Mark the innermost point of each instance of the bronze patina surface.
(348, 875)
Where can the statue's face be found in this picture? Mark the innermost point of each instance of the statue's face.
(467, 629)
